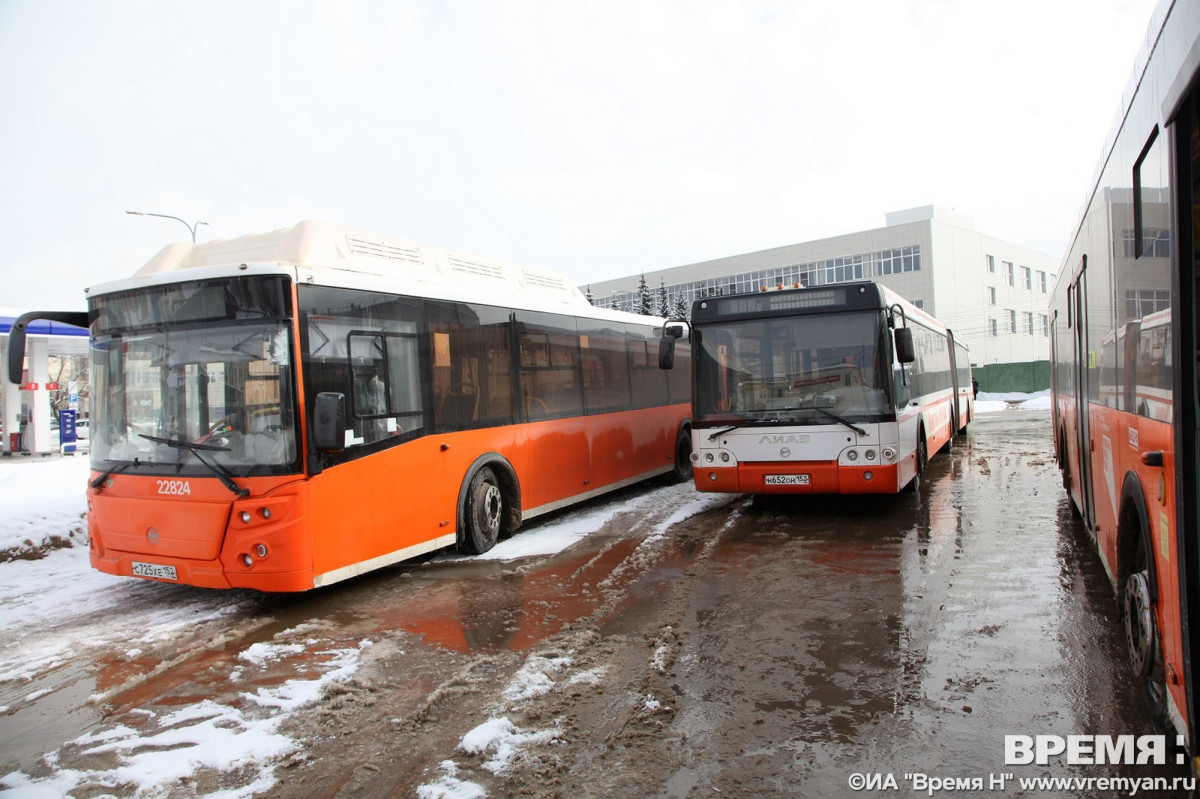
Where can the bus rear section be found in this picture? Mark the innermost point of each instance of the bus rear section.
(843, 389)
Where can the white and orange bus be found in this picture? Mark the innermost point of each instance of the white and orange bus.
(287, 410)
(842, 388)
(1124, 354)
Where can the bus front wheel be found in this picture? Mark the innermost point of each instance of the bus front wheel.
(682, 471)
(914, 485)
(483, 510)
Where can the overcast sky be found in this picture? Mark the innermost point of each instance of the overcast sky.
(597, 139)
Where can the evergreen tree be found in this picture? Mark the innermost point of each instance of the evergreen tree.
(591, 300)
(664, 306)
(645, 304)
(681, 308)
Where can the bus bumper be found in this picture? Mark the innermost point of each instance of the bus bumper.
(798, 478)
(261, 543)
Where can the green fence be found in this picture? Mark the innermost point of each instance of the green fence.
(1004, 378)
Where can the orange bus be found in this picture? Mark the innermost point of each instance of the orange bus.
(1123, 353)
(842, 388)
(287, 410)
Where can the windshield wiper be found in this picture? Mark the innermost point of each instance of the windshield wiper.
(722, 430)
(98, 483)
(748, 423)
(807, 406)
(839, 419)
(223, 474)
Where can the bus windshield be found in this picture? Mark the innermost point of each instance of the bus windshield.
(179, 399)
(812, 369)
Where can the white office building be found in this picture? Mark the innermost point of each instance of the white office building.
(992, 293)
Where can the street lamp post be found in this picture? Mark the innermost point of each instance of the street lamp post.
(191, 228)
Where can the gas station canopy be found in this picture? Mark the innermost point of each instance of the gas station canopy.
(25, 410)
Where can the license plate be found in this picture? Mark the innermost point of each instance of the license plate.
(786, 479)
(156, 570)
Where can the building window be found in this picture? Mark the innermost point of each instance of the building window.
(1009, 275)
(1027, 318)
(1044, 320)
(919, 303)
(814, 273)
(901, 259)
(1012, 321)
(1042, 281)
(1027, 278)
(1156, 243)
(991, 263)
(993, 328)
(1143, 302)
(991, 295)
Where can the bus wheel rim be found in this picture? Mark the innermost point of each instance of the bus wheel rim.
(489, 516)
(1139, 625)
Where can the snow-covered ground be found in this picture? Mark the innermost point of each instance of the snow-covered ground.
(42, 506)
(990, 403)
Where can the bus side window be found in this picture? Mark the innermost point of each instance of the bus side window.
(550, 377)
(605, 362)
(472, 369)
(649, 383)
(366, 346)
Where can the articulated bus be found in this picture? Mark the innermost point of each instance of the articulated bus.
(1123, 352)
(287, 410)
(837, 389)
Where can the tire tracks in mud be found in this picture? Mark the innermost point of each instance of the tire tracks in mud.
(578, 708)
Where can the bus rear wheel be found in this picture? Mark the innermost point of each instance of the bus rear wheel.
(1142, 640)
(483, 510)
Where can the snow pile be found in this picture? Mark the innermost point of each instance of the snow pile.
(42, 502)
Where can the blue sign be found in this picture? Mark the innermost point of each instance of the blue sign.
(66, 428)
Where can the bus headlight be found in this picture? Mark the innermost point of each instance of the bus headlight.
(888, 453)
(708, 457)
(852, 455)
(870, 454)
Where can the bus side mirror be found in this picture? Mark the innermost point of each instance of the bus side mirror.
(16, 336)
(666, 346)
(905, 352)
(329, 421)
